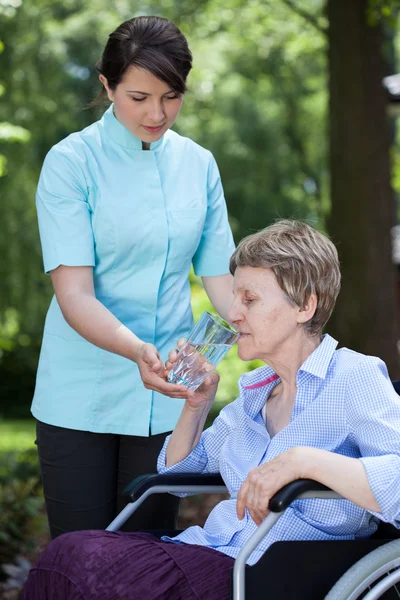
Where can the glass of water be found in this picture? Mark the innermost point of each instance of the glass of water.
(208, 342)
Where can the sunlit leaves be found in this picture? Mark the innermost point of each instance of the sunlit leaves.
(257, 99)
(259, 94)
(13, 133)
(382, 10)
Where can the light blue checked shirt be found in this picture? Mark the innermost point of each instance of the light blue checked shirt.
(345, 403)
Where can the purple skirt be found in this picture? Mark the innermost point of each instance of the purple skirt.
(101, 565)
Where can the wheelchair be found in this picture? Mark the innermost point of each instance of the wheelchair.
(291, 570)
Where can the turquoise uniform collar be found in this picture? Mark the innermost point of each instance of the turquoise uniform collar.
(121, 135)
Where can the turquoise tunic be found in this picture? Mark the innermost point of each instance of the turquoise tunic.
(140, 218)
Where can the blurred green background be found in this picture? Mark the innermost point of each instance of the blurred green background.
(258, 99)
(287, 94)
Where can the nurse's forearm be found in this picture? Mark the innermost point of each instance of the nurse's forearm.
(344, 475)
(75, 294)
(219, 290)
(93, 321)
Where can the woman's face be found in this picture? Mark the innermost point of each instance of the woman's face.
(267, 322)
(143, 104)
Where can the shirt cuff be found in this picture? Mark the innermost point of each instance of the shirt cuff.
(215, 260)
(72, 258)
(195, 462)
(383, 474)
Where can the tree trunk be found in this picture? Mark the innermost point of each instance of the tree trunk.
(365, 318)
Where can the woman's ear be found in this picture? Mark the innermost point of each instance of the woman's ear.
(110, 93)
(307, 311)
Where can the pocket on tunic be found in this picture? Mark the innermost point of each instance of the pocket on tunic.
(185, 230)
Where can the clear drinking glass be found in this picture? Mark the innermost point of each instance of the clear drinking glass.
(208, 342)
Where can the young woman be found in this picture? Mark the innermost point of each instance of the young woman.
(125, 207)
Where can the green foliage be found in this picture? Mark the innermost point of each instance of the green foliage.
(382, 10)
(11, 133)
(17, 435)
(18, 360)
(257, 99)
(21, 465)
(20, 502)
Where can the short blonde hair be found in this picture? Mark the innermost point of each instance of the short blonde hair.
(303, 260)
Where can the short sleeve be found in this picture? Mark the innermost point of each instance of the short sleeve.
(63, 211)
(216, 245)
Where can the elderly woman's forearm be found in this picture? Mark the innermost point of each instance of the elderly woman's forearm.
(186, 434)
(344, 475)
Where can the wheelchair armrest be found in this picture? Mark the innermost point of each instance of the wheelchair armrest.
(302, 488)
(279, 502)
(285, 496)
(141, 484)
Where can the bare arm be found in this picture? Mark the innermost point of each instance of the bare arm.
(74, 290)
(344, 475)
(187, 432)
(219, 291)
(191, 422)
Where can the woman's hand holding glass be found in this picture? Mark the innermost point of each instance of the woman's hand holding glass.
(204, 396)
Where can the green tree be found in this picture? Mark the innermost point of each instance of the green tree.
(258, 99)
(363, 211)
(260, 92)
(234, 107)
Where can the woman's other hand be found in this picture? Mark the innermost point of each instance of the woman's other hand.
(342, 474)
(264, 481)
(204, 396)
(152, 373)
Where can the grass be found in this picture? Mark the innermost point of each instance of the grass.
(17, 434)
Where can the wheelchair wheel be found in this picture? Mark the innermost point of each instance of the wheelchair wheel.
(371, 577)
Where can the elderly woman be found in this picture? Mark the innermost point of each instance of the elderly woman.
(312, 412)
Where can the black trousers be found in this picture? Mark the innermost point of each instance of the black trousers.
(84, 474)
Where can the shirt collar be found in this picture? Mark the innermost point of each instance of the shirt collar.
(122, 136)
(316, 364)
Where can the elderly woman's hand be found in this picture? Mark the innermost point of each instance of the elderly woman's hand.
(264, 481)
(204, 396)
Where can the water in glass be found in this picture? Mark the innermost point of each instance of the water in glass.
(196, 362)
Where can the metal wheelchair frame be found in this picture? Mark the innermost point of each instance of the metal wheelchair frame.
(194, 483)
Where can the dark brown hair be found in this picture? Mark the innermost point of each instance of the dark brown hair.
(153, 44)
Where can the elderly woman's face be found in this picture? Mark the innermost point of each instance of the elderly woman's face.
(262, 314)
